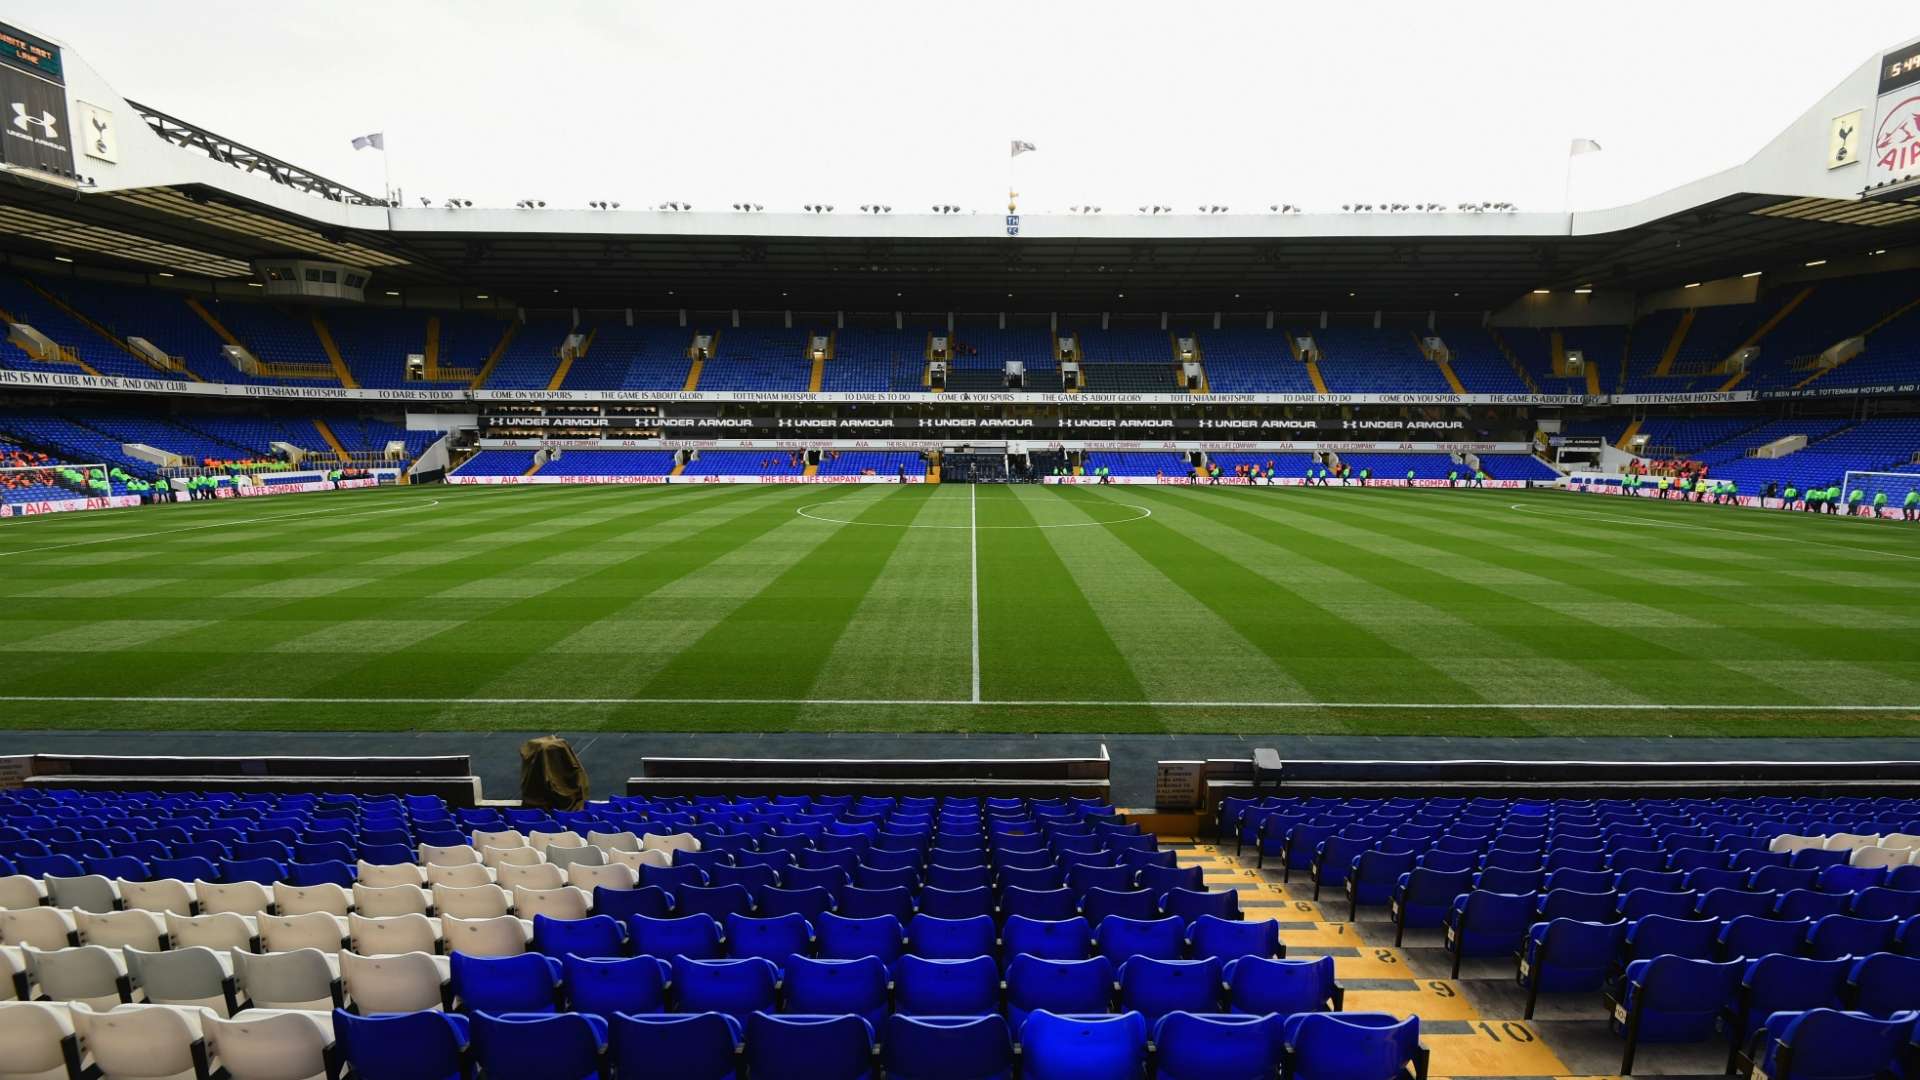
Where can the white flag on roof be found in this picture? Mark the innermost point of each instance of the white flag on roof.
(1021, 146)
(1583, 146)
(377, 140)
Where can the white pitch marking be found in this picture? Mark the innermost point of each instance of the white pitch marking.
(1556, 706)
(216, 525)
(1588, 514)
(1141, 516)
(973, 563)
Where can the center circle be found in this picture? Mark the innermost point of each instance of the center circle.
(1143, 514)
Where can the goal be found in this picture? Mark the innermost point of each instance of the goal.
(1894, 485)
(44, 483)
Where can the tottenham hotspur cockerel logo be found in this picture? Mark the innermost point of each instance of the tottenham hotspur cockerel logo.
(26, 121)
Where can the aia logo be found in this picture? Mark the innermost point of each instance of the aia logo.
(1897, 144)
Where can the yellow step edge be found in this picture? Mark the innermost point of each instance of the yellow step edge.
(326, 435)
(493, 358)
(80, 317)
(333, 353)
(534, 468)
(1626, 437)
(1672, 351)
(1313, 374)
(431, 350)
(811, 470)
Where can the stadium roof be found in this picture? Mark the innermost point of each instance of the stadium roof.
(184, 200)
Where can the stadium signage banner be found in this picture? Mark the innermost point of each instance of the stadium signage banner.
(62, 506)
(1895, 147)
(494, 480)
(1185, 480)
(1009, 398)
(56, 380)
(36, 134)
(1296, 446)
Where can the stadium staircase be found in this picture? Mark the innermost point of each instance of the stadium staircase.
(77, 316)
(1867, 333)
(333, 352)
(433, 371)
(1665, 367)
(694, 366)
(1513, 359)
(493, 358)
(1439, 358)
(326, 435)
(679, 467)
(60, 354)
(926, 369)
(819, 373)
(1761, 331)
(567, 357)
(1313, 366)
(1626, 437)
(538, 462)
(1199, 361)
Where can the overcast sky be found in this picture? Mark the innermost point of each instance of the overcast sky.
(906, 103)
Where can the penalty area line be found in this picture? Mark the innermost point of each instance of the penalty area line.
(1494, 706)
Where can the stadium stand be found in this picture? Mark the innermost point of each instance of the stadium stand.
(609, 463)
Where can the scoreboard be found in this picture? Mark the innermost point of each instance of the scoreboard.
(30, 54)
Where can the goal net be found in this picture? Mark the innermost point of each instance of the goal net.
(44, 483)
(1894, 485)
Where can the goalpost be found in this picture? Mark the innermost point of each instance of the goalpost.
(1894, 485)
(65, 480)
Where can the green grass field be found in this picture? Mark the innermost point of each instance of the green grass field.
(1122, 609)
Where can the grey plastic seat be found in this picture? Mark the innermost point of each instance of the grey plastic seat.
(144, 1040)
(192, 976)
(223, 930)
(121, 929)
(393, 934)
(271, 1044)
(564, 857)
(91, 974)
(37, 1041)
(290, 980)
(400, 982)
(90, 892)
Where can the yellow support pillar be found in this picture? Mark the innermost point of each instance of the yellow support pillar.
(1665, 366)
(1626, 437)
(493, 358)
(431, 351)
(1313, 373)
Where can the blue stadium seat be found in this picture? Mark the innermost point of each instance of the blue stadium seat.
(1580, 906)
(1057, 1047)
(1423, 898)
(1051, 939)
(841, 938)
(1058, 986)
(597, 935)
(1672, 999)
(1230, 939)
(809, 903)
(1352, 1046)
(1119, 938)
(1884, 984)
(1568, 955)
(1192, 1046)
(649, 900)
(937, 938)
(1259, 986)
(1780, 983)
(737, 988)
(563, 1046)
(1843, 935)
(947, 1048)
(633, 984)
(1824, 1044)
(946, 987)
(772, 939)
(956, 903)
(678, 1046)
(695, 936)
(837, 986)
(527, 983)
(403, 1046)
(858, 903)
(1484, 923)
(1153, 988)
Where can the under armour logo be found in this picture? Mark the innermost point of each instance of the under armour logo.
(27, 122)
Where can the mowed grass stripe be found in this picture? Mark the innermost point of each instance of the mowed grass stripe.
(1330, 656)
(1485, 640)
(1179, 645)
(1676, 662)
(775, 644)
(504, 650)
(216, 639)
(911, 635)
(1690, 575)
(1040, 639)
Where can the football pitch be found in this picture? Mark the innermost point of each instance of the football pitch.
(950, 608)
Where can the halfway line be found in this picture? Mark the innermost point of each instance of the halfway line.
(1555, 706)
(973, 577)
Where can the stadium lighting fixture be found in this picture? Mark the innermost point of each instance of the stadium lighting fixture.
(1753, 273)
(1878, 251)
(1541, 292)
(62, 259)
(1691, 285)
(255, 285)
(482, 296)
(393, 292)
(165, 273)
(1583, 292)
(1818, 262)
(424, 201)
